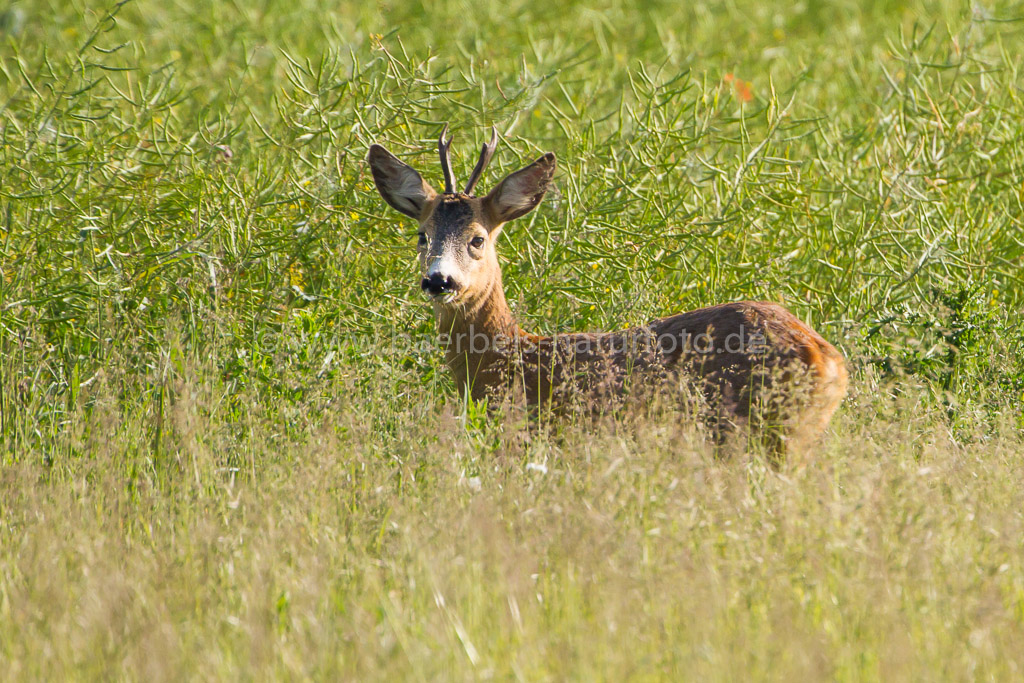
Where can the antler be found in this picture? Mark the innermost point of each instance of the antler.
(485, 158)
(446, 164)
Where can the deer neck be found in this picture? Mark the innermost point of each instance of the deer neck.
(478, 332)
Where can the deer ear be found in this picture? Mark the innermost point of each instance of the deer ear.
(521, 192)
(399, 183)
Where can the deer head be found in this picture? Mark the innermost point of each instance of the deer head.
(458, 230)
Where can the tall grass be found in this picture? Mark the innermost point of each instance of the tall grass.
(231, 450)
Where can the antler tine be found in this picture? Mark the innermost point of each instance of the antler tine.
(485, 158)
(446, 164)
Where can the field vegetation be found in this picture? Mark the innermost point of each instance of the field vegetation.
(229, 445)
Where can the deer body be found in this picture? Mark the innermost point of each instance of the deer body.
(750, 359)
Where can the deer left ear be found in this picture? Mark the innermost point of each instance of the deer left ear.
(521, 192)
(399, 183)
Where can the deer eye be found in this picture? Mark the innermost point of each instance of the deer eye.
(476, 242)
(423, 239)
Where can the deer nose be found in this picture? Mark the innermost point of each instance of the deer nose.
(436, 284)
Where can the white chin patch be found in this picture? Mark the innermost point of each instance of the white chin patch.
(445, 298)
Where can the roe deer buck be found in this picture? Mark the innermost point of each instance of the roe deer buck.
(755, 361)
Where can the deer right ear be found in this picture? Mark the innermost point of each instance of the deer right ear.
(521, 192)
(399, 183)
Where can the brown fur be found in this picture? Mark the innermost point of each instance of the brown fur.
(755, 362)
